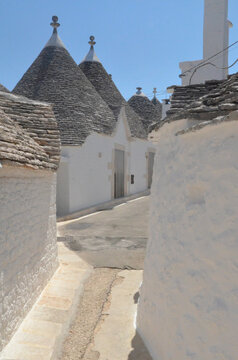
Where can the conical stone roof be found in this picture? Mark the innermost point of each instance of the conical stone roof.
(145, 108)
(157, 103)
(3, 88)
(107, 89)
(55, 77)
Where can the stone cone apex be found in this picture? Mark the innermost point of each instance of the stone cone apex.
(155, 101)
(139, 92)
(155, 92)
(55, 39)
(91, 56)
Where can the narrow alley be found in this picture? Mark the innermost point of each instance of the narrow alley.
(113, 242)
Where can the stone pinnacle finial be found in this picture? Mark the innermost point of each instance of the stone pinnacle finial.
(138, 90)
(92, 42)
(55, 23)
(155, 92)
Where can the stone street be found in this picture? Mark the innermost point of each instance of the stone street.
(113, 242)
(111, 238)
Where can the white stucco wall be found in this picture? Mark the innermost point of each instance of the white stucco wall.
(165, 108)
(28, 253)
(189, 298)
(90, 169)
(215, 39)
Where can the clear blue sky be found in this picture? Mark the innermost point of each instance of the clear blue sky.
(140, 42)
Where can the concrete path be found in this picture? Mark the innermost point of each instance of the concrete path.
(111, 238)
(104, 324)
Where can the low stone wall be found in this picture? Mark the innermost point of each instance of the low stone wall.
(189, 298)
(28, 252)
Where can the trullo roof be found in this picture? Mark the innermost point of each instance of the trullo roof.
(3, 88)
(145, 108)
(29, 134)
(55, 77)
(107, 89)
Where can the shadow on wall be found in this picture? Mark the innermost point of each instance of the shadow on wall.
(139, 351)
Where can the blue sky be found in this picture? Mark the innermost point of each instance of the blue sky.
(140, 42)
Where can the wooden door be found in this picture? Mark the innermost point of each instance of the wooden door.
(119, 173)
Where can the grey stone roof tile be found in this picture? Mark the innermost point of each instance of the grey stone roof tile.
(158, 105)
(204, 102)
(55, 77)
(3, 88)
(28, 133)
(107, 89)
(146, 109)
(214, 98)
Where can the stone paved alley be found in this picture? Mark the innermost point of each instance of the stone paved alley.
(88, 308)
(114, 238)
(111, 240)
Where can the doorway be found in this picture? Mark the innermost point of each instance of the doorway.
(151, 158)
(119, 173)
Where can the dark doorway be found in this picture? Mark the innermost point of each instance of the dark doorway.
(151, 157)
(119, 173)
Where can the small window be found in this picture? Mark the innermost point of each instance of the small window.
(132, 179)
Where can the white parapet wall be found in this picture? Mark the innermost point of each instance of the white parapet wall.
(189, 297)
(28, 252)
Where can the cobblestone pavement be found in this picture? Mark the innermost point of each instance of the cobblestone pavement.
(114, 238)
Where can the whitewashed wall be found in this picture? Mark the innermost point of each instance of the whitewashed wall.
(165, 107)
(90, 169)
(28, 253)
(189, 297)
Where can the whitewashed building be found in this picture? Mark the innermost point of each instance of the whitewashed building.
(29, 158)
(189, 298)
(105, 152)
(215, 46)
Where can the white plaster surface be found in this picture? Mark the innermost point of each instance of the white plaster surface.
(189, 298)
(28, 253)
(85, 175)
(91, 56)
(55, 40)
(113, 338)
(165, 108)
(215, 39)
